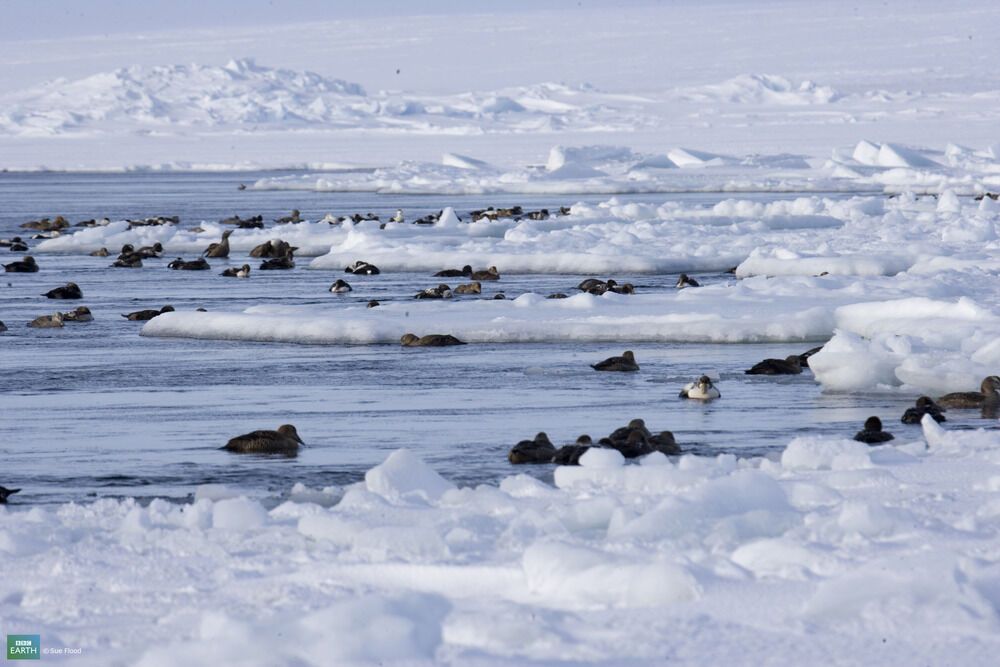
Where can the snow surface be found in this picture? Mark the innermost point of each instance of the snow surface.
(884, 555)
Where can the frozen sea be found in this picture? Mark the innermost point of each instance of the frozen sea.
(95, 409)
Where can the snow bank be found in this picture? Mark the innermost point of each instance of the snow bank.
(409, 569)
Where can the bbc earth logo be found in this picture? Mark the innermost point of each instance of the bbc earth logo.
(24, 647)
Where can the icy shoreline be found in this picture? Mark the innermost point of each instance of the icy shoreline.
(884, 554)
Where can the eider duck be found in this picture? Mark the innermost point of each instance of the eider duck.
(684, 280)
(872, 434)
(294, 217)
(200, 264)
(987, 396)
(557, 295)
(340, 287)
(54, 321)
(3, 327)
(791, 365)
(67, 291)
(273, 248)
(442, 291)
(150, 251)
(569, 455)
(148, 314)
(804, 357)
(282, 263)
(220, 249)
(624, 363)
(131, 261)
(100, 252)
(430, 340)
(538, 450)
(398, 217)
(26, 265)
(489, 274)
(469, 288)
(499, 296)
(362, 268)
(78, 314)
(233, 272)
(285, 441)
(924, 406)
(702, 390)
(6, 493)
(627, 288)
(464, 272)
(373, 304)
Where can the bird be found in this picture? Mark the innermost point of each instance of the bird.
(872, 433)
(791, 365)
(200, 264)
(373, 304)
(804, 357)
(78, 314)
(362, 268)
(131, 261)
(150, 251)
(624, 363)
(3, 327)
(489, 274)
(294, 217)
(26, 265)
(924, 406)
(398, 217)
(233, 272)
(442, 291)
(100, 252)
(538, 450)
(272, 248)
(67, 291)
(987, 396)
(144, 315)
(340, 287)
(686, 281)
(569, 455)
(6, 493)
(469, 288)
(464, 272)
(54, 321)
(702, 389)
(220, 249)
(282, 263)
(430, 340)
(285, 441)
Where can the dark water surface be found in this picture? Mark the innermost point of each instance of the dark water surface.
(96, 410)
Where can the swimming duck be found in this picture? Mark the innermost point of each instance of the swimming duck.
(686, 281)
(872, 434)
(592, 283)
(988, 395)
(557, 295)
(6, 243)
(26, 265)
(67, 291)
(362, 268)
(627, 288)
(150, 251)
(131, 261)
(220, 249)
(373, 304)
(430, 340)
(6, 493)
(624, 363)
(464, 272)
(294, 217)
(200, 264)
(79, 314)
(791, 365)
(804, 357)
(340, 287)
(283, 263)
(100, 252)
(469, 288)
(144, 315)
(924, 406)
(272, 248)
(3, 327)
(499, 296)
(489, 274)
(233, 272)
(398, 217)
(633, 446)
(54, 321)
(538, 450)
(569, 455)
(702, 389)
(442, 291)
(285, 441)
(19, 246)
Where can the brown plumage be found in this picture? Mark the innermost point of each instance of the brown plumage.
(430, 340)
(624, 363)
(791, 365)
(988, 395)
(143, 315)
(220, 249)
(285, 441)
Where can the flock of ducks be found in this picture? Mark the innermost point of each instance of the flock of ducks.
(631, 441)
